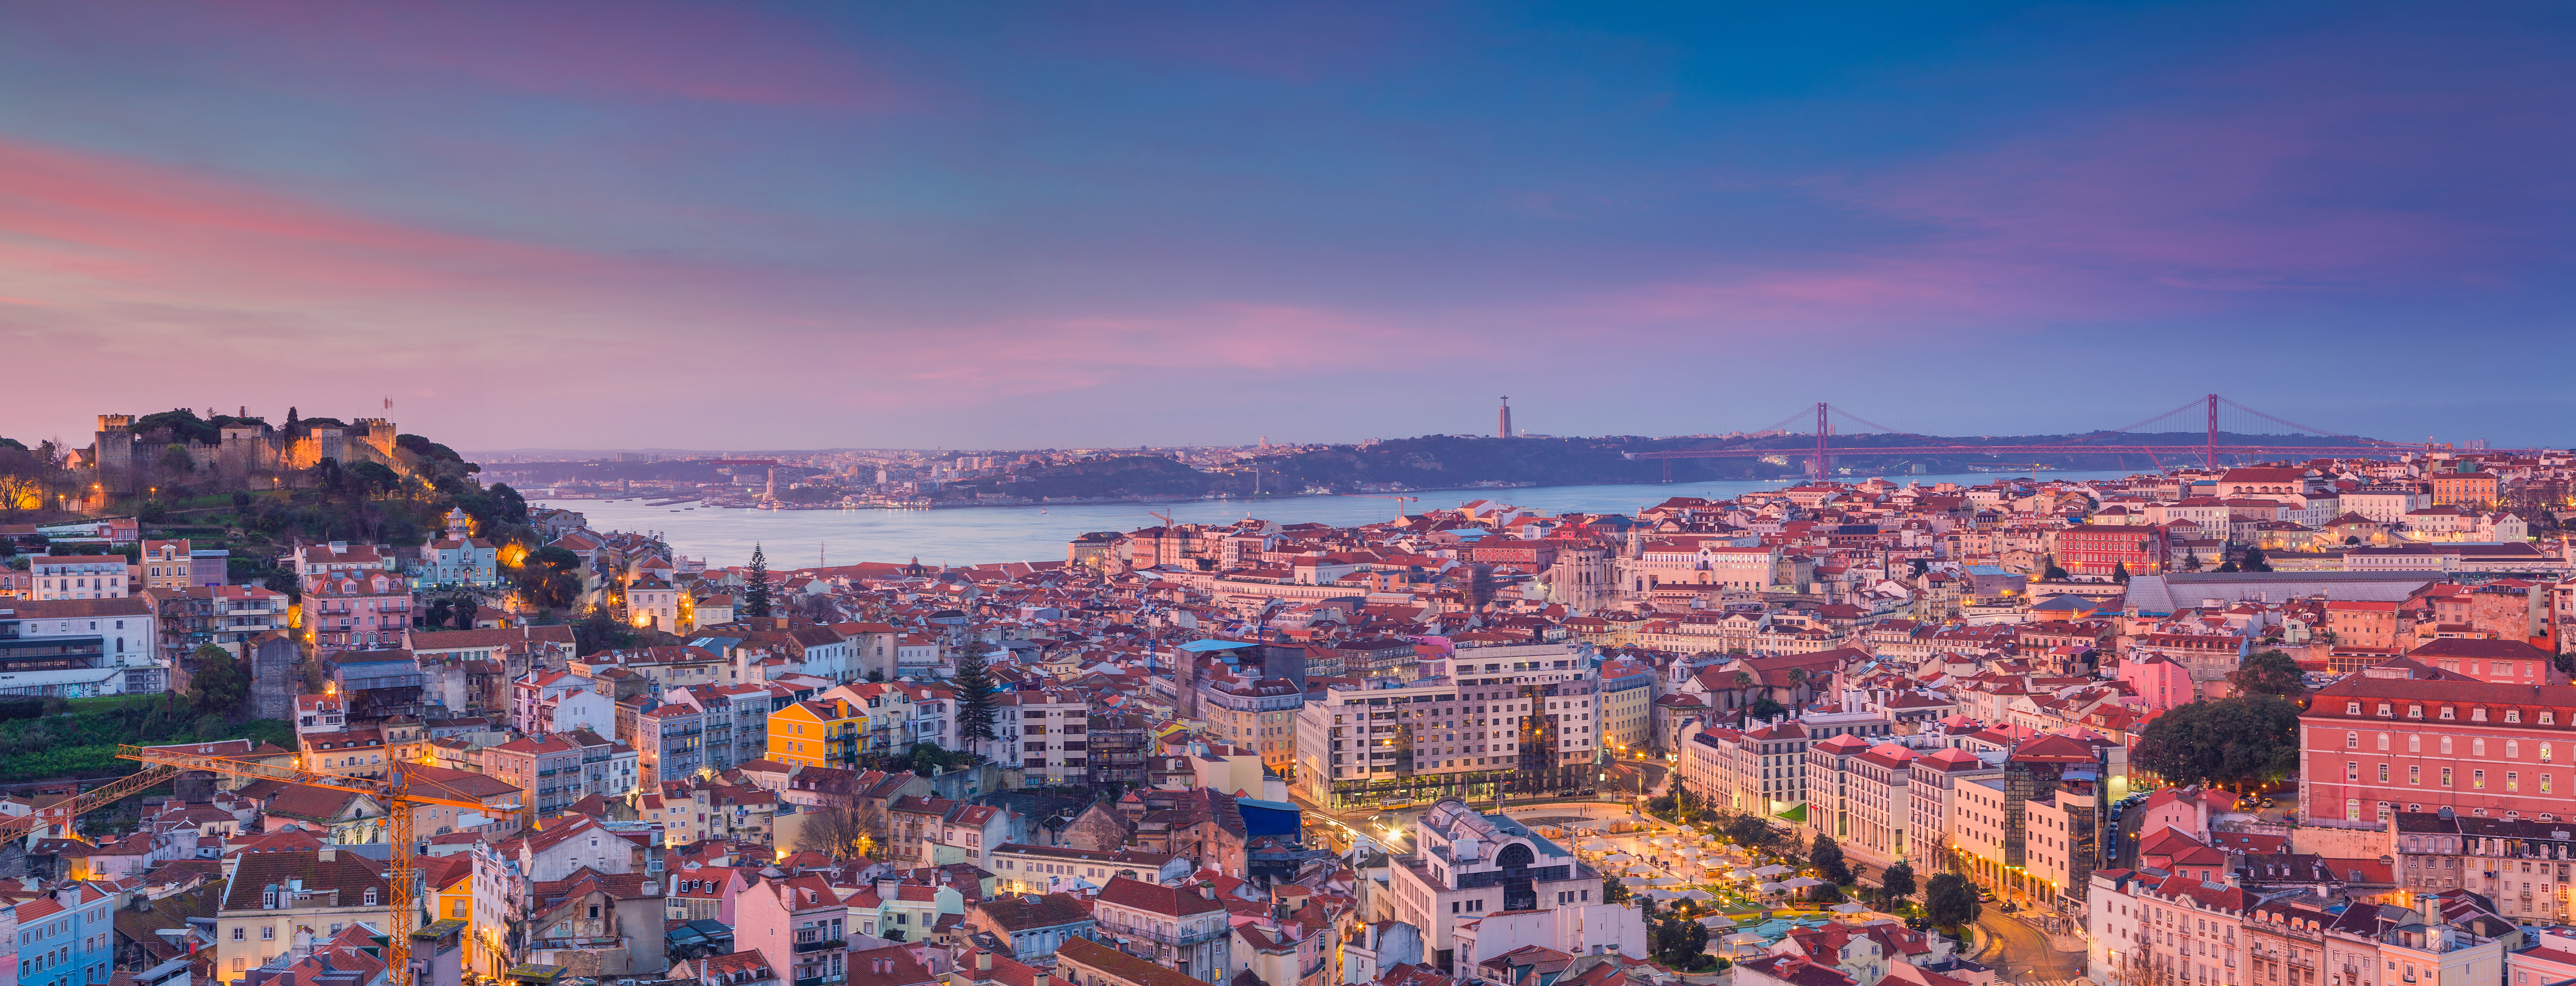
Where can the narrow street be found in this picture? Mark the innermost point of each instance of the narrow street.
(2020, 954)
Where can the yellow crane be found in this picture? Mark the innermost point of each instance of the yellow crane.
(65, 811)
(398, 796)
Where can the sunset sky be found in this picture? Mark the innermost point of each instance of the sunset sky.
(734, 226)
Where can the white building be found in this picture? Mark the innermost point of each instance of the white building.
(79, 576)
(1471, 867)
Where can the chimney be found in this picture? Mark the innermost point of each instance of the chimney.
(1207, 890)
(983, 964)
(1038, 980)
(326, 854)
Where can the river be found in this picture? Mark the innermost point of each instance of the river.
(974, 535)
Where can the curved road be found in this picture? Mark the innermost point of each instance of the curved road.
(2020, 954)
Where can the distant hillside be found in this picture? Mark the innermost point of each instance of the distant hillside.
(1448, 462)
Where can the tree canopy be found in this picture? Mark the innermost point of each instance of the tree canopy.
(2268, 672)
(219, 684)
(1827, 857)
(2243, 740)
(1950, 900)
(1896, 883)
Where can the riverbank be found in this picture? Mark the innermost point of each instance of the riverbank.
(802, 538)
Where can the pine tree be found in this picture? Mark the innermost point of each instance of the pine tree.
(974, 696)
(2120, 573)
(755, 597)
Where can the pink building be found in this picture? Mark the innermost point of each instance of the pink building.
(2404, 736)
(2159, 681)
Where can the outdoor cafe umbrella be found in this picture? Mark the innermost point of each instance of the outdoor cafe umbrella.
(1802, 883)
(1661, 894)
(1617, 857)
(1664, 881)
(1632, 881)
(1696, 894)
(1850, 908)
(1774, 869)
(1598, 845)
(1742, 874)
(1769, 888)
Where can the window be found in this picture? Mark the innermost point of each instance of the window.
(268, 934)
(2351, 770)
(2352, 741)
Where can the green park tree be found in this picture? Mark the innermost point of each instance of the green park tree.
(1827, 857)
(1895, 884)
(1949, 900)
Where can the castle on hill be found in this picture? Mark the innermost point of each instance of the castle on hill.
(124, 458)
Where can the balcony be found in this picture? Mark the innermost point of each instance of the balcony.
(820, 946)
(819, 980)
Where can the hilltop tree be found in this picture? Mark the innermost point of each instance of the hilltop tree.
(755, 595)
(974, 684)
(220, 684)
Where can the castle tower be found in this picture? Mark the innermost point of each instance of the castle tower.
(1504, 428)
(380, 433)
(115, 446)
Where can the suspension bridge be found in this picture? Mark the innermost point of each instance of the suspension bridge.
(2209, 451)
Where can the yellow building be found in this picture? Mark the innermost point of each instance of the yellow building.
(818, 734)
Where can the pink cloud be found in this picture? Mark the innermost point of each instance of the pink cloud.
(104, 228)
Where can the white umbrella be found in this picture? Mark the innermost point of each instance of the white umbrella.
(1742, 875)
(1850, 908)
(1696, 895)
(1598, 845)
(1802, 883)
(1661, 894)
(1769, 888)
(1617, 857)
(1664, 881)
(1633, 881)
(1774, 869)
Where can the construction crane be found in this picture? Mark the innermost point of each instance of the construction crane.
(398, 796)
(1400, 501)
(64, 812)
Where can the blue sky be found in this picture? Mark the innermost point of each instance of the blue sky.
(1070, 225)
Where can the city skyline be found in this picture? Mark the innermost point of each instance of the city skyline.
(805, 227)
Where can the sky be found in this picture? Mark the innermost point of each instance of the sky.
(640, 224)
